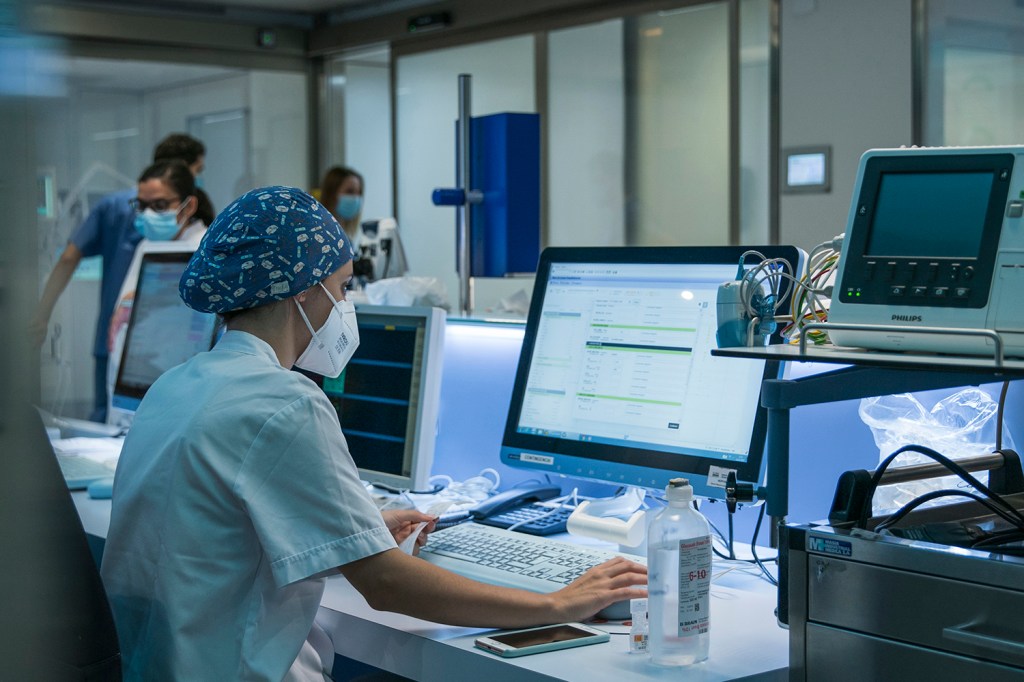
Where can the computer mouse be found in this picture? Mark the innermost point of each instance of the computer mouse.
(101, 488)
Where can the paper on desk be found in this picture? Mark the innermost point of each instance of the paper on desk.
(435, 509)
(103, 450)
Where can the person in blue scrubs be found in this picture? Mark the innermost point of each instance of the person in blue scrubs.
(235, 495)
(109, 231)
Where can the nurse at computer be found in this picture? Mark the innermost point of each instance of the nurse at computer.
(235, 494)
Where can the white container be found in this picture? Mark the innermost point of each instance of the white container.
(678, 580)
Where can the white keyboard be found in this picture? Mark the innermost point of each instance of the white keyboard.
(501, 557)
(79, 472)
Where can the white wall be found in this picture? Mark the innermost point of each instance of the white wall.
(168, 109)
(367, 127)
(279, 147)
(845, 81)
(683, 128)
(277, 106)
(586, 131)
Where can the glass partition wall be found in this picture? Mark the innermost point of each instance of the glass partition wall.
(97, 135)
(356, 123)
(973, 73)
(651, 124)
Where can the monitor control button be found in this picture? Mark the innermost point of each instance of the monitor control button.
(897, 290)
(919, 291)
(940, 292)
(962, 292)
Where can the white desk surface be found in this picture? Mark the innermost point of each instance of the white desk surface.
(746, 641)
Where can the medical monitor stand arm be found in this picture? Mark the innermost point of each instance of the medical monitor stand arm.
(461, 196)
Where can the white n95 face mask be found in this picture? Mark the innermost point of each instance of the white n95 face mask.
(333, 344)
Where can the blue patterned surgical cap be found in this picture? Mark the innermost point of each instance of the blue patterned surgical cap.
(268, 245)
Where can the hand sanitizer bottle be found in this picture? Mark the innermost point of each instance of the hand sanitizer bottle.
(678, 580)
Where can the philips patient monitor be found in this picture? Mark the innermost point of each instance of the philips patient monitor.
(616, 382)
(934, 238)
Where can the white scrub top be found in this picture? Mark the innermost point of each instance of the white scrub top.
(234, 490)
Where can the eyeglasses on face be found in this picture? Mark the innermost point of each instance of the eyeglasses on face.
(159, 205)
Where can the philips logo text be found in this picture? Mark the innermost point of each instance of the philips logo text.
(907, 318)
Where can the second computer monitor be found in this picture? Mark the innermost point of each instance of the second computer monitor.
(616, 381)
(387, 397)
(162, 331)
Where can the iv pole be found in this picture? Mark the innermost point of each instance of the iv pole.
(461, 196)
(463, 217)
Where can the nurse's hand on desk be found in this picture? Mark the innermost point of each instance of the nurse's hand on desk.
(404, 522)
(616, 580)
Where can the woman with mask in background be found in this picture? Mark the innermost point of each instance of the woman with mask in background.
(341, 193)
(235, 494)
(172, 218)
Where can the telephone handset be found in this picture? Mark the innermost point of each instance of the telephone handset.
(516, 497)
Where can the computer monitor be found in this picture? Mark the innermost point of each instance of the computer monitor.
(162, 332)
(387, 397)
(616, 381)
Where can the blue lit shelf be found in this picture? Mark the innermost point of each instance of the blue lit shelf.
(865, 374)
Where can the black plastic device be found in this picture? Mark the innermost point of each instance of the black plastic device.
(516, 497)
(533, 518)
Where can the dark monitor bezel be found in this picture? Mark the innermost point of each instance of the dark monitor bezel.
(576, 452)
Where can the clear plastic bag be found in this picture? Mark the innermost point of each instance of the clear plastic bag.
(960, 425)
(408, 290)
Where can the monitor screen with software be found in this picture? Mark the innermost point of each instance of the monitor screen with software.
(162, 332)
(616, 382)
(387, 397)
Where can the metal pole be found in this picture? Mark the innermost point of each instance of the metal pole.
(463, 221)
(777, 451)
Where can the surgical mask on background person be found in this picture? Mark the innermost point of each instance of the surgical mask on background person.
(348, 206)
(333, 345)
(157, 226)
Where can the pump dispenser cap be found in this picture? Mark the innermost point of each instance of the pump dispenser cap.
(679, 491)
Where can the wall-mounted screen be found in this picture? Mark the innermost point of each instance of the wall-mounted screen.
(807, 169)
